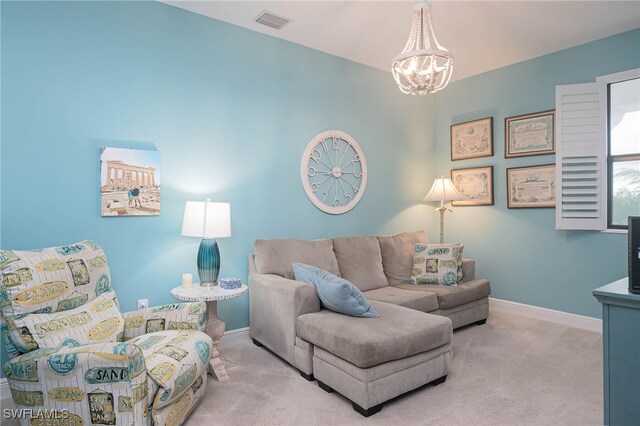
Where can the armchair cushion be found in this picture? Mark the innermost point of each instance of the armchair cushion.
(53, 279)
(175, 359)
(98, 321)
(174, 316)
(99, 384)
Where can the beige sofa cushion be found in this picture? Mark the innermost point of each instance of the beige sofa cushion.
(276, 256)
(452, 296)
(360, 261)
(365, 342)
(418, 300)
(397, 255)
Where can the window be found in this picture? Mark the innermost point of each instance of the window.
(598, 152)
(623, 183)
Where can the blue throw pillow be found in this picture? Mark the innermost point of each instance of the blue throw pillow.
(335, 293)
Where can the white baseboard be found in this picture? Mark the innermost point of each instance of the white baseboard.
(234, 335)
(229, 336)
(545, 314)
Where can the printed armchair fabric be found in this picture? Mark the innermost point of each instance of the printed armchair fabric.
(48, 280)
(62, 326)
(174, 360)
(174, 316)
(98, 384)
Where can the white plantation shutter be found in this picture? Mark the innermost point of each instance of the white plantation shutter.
(581, 156)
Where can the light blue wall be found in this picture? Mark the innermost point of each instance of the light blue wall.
(231, 112)
(520, 251)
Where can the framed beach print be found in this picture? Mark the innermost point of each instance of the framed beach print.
(475, 184)
(472, 139)
(530, 134)
(531, 187)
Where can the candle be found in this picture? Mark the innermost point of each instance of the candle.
(187, 281)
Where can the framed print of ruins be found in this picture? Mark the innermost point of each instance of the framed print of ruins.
(129, 182)
(472, 139)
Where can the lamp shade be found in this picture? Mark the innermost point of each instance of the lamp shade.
(443, 190)
(207, 220)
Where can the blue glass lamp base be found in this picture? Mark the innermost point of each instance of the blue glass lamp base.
(208, 262)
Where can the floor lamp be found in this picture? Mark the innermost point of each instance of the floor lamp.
(443, 190)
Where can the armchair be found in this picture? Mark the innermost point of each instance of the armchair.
(71, 349)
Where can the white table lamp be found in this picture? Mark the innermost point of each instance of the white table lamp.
(208, 221)
(443, 190)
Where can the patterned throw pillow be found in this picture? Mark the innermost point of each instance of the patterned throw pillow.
(437, 264)
(95, 322)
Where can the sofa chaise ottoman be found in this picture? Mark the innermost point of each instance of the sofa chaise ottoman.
(368, 360)
(371, 361)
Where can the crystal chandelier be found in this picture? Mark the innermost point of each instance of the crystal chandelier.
(423, 66)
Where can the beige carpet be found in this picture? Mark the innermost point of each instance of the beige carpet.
(510, 371)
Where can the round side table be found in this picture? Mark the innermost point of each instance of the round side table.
(215, 326)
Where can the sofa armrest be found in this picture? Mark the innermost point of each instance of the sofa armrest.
(275, 305)
(174, 316)
(468, 269)
(71, 378)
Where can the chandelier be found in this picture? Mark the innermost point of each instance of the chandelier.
(424, 66)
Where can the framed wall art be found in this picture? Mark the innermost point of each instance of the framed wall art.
(475, 184)
(531, 187)
(472, 139)
(530, 134)
(129, 182)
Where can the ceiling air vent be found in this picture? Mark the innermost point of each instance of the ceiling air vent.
(272, 20)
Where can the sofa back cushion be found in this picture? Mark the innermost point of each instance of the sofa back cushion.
(360, 261)
(397, 255)
(276, 256)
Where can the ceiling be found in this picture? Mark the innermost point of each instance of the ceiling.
(482, 35)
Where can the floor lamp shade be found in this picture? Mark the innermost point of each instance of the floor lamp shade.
(208, 221)
(443, 190)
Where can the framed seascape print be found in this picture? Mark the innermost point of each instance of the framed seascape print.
(472, 139)
(531, 134)
(475, 184)
(531, 187)
(129, 182)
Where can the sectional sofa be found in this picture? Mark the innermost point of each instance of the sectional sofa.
(367, 360)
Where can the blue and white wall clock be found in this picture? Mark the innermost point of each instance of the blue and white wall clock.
(334, 172)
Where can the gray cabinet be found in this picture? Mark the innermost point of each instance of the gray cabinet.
(621, 341)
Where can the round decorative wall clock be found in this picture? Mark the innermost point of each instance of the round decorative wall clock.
(334, 172)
